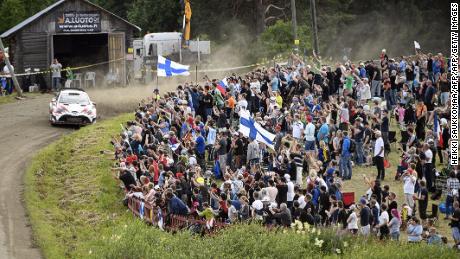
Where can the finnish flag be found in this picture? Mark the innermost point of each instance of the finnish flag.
(253, 130)
(168, 68)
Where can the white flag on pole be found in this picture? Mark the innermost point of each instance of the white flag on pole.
(416, 45)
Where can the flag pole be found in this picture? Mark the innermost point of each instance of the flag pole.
(157, 83)
(196, 74)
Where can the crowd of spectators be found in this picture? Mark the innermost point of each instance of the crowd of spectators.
(183, 152)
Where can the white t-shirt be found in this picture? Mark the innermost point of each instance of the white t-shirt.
(365, 91)
(211, 138)
(290, 192)
(257, 205)
(379, 145)
(272, 192)
(384, 218)
(192, 160)
(6, 70)
(409, 184)
(310, 132)
(301, 201)
(429, 156)
(344, 115)
(232, 213)
(297, 128)
(353, 221)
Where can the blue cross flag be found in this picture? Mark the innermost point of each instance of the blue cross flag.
(253, 130)
(168, 68)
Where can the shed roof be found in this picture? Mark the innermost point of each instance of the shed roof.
(36, 16)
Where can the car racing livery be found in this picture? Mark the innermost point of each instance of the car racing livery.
(72, 106)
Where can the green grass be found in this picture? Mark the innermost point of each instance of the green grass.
(70, 194)
(12, 98)
(75, 210)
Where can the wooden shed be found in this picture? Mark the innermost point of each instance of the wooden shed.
(76, 32)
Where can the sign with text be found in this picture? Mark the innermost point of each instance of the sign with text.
(76, 22)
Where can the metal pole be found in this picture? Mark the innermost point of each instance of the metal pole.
(180, 53)
(11, 70)
(157, 83)
(196, 74)
(314, 27)
(294, 19)
(198, 47)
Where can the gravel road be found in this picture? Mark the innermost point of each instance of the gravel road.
(24, 129)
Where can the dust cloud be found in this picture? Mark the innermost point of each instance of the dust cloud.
(114, 101)
(234, 50)
(393, 27)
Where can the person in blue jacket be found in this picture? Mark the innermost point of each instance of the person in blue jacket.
(345, 158)
(176, 206)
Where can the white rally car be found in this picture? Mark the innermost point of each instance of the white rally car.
(72, 106)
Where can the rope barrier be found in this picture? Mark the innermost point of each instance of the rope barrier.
(72, 68)
(153, 70)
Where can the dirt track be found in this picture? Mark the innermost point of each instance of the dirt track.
(24, 129)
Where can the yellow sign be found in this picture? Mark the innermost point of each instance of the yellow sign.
(296, 42)
(130, 50)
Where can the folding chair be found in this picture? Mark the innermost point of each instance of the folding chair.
(78, 78)
(91, 77)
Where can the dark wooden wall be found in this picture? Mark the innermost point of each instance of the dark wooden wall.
(33, 44)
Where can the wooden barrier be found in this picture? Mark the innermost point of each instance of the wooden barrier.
(170, 222)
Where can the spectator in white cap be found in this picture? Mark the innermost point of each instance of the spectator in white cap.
(352, 220)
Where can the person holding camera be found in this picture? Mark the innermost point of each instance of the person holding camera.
(409, 181)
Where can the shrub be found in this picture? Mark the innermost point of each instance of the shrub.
(136, 240)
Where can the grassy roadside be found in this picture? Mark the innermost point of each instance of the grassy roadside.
(12, 98)
(69, 192)
(75, 210)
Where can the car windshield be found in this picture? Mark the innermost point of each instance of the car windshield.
(74, 98)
